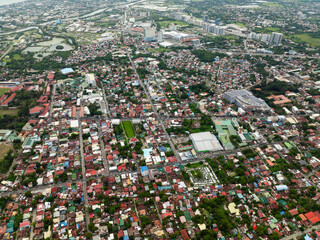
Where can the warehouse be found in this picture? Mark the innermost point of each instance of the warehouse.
(205, 141)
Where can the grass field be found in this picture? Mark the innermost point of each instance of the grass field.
(128, 129)
(306, 38)
(158, 50)
(11, 112)
(3, 91)
(4, 148)
(196, 174)
(17, 57)
(272, 4)
(241, 24)
(167, 23)
(193, 165)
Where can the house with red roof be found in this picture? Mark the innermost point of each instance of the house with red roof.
(35, 110)
(8, 100)
(42, 99)
(184, 234)
(50, 76)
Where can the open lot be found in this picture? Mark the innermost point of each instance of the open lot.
(306, 38)
(4, 148)
(128, 129)
(167, 23)
(271, 4)
(11, 112)
(3, 91)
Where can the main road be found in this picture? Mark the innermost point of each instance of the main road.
(83, 168)
(96, 12)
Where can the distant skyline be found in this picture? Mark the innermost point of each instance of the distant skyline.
(7, 2)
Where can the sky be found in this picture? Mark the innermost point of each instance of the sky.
(4, 2)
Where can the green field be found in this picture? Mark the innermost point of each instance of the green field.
(306, 38)
(128, 129)
(4, 148)
(267, 30)
(272, 4)
(193, 165)
(3, 91)
(241, 24)
(11, 112)
(158, 50)
(165, 24)
(197, 174)
(17, 57)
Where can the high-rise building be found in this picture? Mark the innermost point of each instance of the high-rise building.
(160, 36)
(149, 34)
(276, 38)
(265, 38)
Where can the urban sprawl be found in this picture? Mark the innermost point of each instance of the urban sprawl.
(160, 120)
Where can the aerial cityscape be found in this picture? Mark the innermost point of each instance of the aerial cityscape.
(160, 119)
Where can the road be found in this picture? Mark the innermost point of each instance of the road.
(154, 110)
(299, 233)
(105, 101)
(6, 52)
(96, 12)
(83, 168)
(103, 152)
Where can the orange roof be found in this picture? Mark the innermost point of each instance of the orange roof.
(303, 218)
(270, 163)
(309, 215)
(293, 212)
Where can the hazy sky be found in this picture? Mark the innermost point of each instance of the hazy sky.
(4, 2)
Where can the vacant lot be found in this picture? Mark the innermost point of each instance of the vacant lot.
(306, 38)
(17, 57)
(128, 129)
(3, 91)
(166, 24)
(194, 165)
(271, 4)
(11, 112)
(4, 148)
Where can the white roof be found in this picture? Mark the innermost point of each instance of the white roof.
(205, 141)
(74, 123)
(165, 44)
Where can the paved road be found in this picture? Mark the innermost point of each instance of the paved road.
(155, 110)
(6, 52)
(299, 233)
(103, 152)
(83, 168)
(96, 12)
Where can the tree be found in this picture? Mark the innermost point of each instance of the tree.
(28, 194)
(144, 221)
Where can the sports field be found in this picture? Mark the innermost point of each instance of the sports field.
(3, 91)
(128, 129)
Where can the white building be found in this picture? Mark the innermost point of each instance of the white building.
(90, 79)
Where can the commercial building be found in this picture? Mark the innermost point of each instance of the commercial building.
(225, 129)
(245, 100)
(90, 79)
(179, 36)
(149, 34)
(205, 141)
